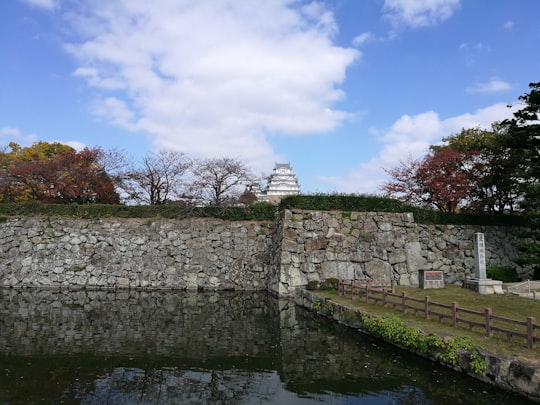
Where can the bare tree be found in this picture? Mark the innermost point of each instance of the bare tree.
(219, 181)
(115, 162)
(159, 179)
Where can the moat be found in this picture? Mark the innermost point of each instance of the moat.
(176, 347)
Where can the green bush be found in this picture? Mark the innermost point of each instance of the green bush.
(392, 328)
(330, 284)
(259, 211)
(371, 203)
(255, 212)
(504, 274)
(536, 273)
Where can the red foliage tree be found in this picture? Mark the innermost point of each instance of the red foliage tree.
(442, 180)
(55, 175)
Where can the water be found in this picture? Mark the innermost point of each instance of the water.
(132, 347)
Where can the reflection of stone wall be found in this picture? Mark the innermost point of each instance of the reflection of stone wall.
(214, 254)
(212, 347)
(186, 324)
(135, 253)
(251, 329)
(366, 245)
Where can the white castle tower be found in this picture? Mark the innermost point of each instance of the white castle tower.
(281, 182)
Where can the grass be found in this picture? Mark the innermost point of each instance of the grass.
(507, 306)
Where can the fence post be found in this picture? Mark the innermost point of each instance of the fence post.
(489, 322)
(384, 297)
(367, 292)
(404, 302)
(426, 306)
(531, 335)
(455, 306)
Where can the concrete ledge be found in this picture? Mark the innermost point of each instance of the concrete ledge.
(484, 286)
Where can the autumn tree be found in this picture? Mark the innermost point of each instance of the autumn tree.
(403, 184)
(54, 173)
(439, 180)
(486, 156)
(219, 181)
(158, 179)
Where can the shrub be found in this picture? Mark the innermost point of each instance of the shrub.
(536, 273)
(330, 284)
(255, 212)
(504, 274)
(392, 328)
(371, 203)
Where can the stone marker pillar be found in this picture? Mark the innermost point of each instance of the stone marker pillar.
(479, 256)
(481, 283)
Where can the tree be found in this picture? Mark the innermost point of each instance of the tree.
(486, 157)
(219, 181)
(523, 142)
(523, 139)
(158, 180)
(248, 197)
(404, 185)
(54, 173)
(440, 180)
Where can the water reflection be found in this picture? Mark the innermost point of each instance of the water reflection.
(106, 347)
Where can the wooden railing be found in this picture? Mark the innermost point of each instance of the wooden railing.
(384, 293)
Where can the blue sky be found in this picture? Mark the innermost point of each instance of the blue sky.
(339, 88)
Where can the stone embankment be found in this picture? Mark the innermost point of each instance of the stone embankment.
(134, 253)
(198, 253)
(513, 375)
(317, 245)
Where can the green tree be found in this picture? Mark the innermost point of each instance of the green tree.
(486, 156)
(523, 142)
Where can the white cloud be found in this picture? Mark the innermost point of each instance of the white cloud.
(411, 136)
(9, 134)
(419, 13)
(493, 86)
(44, 4)
(473, 52)
(78, 146)
(214, 79)
(508, 25)
(362, 38)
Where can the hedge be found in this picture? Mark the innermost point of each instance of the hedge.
(260, 211)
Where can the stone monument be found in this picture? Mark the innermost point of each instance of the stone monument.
(481, 283)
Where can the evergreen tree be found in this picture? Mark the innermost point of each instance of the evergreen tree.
(523, 142)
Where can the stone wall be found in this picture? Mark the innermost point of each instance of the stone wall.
(381, 246)
(212, 254)
(135, 253)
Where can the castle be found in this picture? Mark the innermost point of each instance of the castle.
(281, 182)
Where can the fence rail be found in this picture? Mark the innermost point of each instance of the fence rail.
(384, 293)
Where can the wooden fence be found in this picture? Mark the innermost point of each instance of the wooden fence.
(384, 294)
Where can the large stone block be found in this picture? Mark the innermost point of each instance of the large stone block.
(415, 260)
(378, 270)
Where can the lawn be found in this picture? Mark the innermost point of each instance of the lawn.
(508, 306)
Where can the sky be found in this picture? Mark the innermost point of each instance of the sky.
(340, 89)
